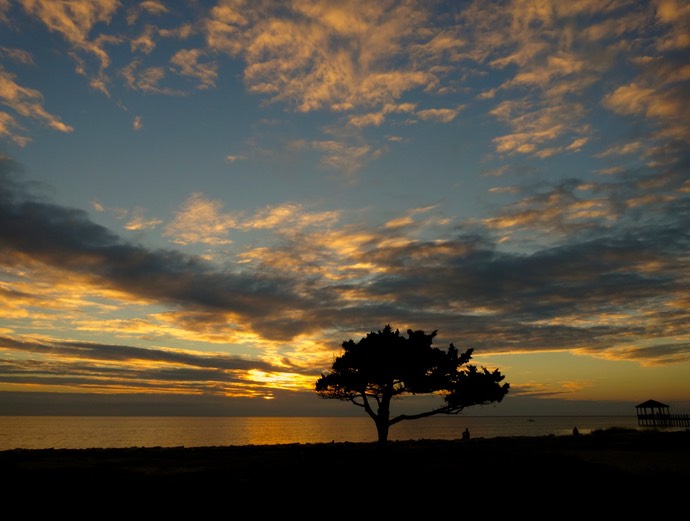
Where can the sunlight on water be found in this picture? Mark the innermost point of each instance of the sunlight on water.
(40, 432)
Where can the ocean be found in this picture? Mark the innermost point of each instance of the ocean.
(82, 432)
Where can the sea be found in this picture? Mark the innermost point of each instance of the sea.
(83, 432)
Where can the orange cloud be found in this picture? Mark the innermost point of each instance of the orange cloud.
(26, 102)
(201, 220)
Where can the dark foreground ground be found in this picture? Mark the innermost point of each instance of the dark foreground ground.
(571, 477)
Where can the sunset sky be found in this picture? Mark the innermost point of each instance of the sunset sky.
(201, 200)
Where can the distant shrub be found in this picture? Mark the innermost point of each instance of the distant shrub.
(613, 430)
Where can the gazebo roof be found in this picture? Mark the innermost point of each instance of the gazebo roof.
(651, 403)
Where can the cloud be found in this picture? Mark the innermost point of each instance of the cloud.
(135, 219)
(74, 22)
(17, 55)
(361, 58)
(338, 57)
(145, 42)
(534, 126)
(288, 215)
(378, 118)
(187, 64)
(611, 283)
(595, 263)
(562, 210)
(147, 80)
(554, 57)
(367, 120)
(440, 115)
(347, 153)
(627, 148)
(25, 102)
(149, 7)
(138, 221)
(4, 9)
(35, 233)
(201, 220)
(10, 129)
(70, 365)
(84, 25)
(676, 14)
(629, 99)
(663, 100)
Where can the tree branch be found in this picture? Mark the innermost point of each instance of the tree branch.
(447, 409)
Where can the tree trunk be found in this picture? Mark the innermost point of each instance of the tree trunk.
(382, 417)
(382, 430)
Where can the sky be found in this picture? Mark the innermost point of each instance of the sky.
(201, 200)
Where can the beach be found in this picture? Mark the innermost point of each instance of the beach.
(592, 467)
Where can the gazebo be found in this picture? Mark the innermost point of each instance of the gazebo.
(653, 414)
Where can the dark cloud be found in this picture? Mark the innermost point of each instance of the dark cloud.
(630, 263)
(120, 353)
(585, 279)
(67, 239)
(104, 366)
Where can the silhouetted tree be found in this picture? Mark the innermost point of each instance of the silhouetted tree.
(385, 365)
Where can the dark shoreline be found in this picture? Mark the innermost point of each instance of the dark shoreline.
(556, 465)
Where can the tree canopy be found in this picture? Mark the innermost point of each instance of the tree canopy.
(385, 365)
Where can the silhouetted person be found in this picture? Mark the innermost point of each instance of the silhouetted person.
(466, 434)
(575, 431)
